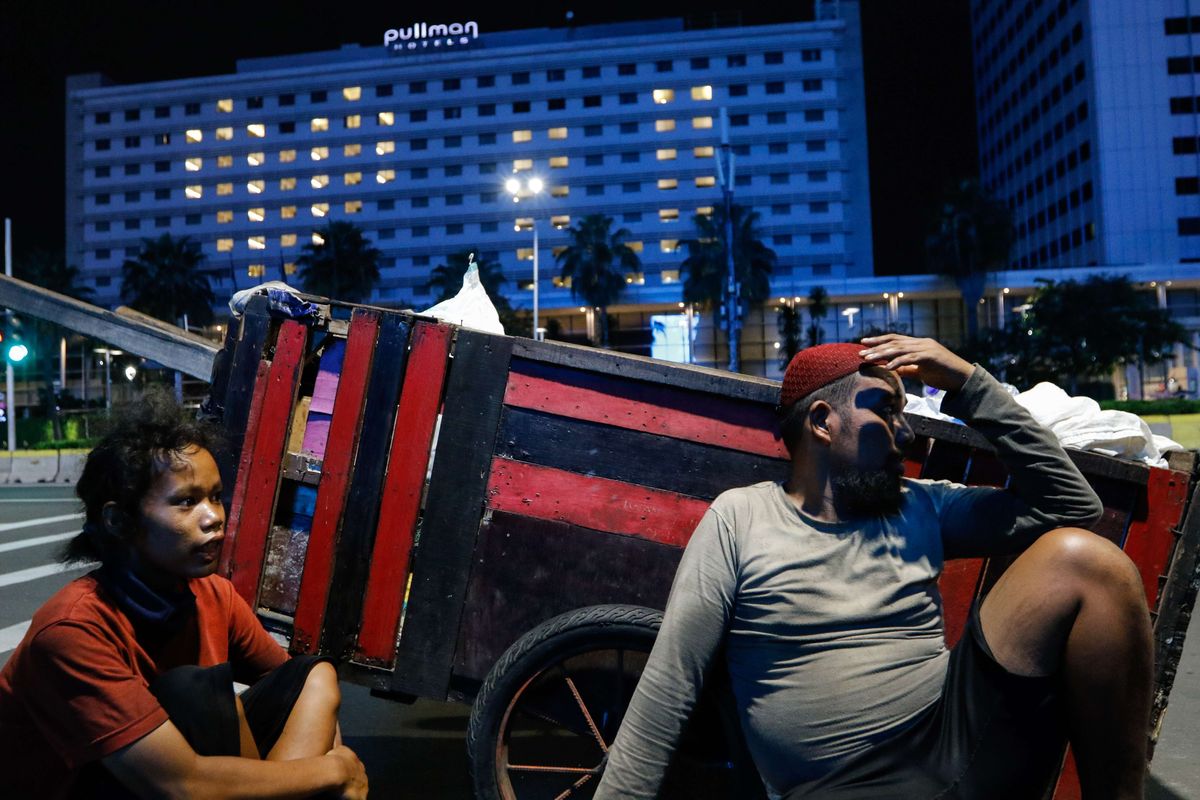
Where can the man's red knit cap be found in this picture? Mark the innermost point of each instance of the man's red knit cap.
(814, 367)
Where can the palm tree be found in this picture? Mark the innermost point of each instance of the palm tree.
(343, 267)
(595, 262)
(705, 268)
(445, 280)
(51, 271)
(973, 235)
(818, 309)
(164, 280)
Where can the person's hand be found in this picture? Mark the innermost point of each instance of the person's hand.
(924, 359)
(354, 786)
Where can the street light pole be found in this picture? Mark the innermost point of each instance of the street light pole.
(534, 186)
(733, 322)
(10, 397)
(535, 279)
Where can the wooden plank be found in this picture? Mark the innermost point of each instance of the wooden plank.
(650, 370)
(236, 400)
(647, 459)
(262, 476)
(335, 479)
(245, 456)
(442, 561)
(1151, 536)
(412, 435)
(361, 517)
(634, 405)
(524, 564)
(959, 585)
(596, 503)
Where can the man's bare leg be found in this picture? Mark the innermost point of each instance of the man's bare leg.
(1073, 604)
(312, 727)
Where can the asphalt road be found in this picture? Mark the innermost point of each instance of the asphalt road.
(417, 751)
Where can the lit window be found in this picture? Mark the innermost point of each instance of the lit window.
(320, 124)
(320, 209)
(224, 188)
(196, 191)
(287, 212)
(317, 239)
(387, 118)
(255, 187)
(636, 247)
(663, 95)
(385, 176)
(256, 159)
(661, 125)
(558, 162)
(353, 206)
(256, 270)
(224, 245)
(353, 120)
(667, 154)
(256, 214)
(287, 156)
(319, 181)
(558, 280)
(287, 184)
(289, 268)
(668, 183)
(383, 148)
(560, 191)
(522, 164)
(703, 152)
(352, 92)
(287, 240)
(225, 106)
(706, 180)
(193, 136)
(319, 153)
(702, 93)
(523, 224)
(561, 221)
(522, 136)
(705, 211)
(668, 215)
(524, 254)
(193, 164)
(352, 178)
(224, 216)
(702, 122)
(668, 245)
(351, 150)
(224, 134)
(558, 133)
(224, 161)
(256, 129)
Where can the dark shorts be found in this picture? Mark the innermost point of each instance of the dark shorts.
(200, 702)
(992, 735)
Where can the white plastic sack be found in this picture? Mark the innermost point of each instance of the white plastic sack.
(471, 307)
(237, 303)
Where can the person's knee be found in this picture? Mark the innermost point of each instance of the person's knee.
(321, 685)
(1092, 563)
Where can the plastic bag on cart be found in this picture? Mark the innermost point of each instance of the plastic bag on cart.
(471, 307)
(283, 301)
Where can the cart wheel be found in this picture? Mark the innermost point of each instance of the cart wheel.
(549, 709)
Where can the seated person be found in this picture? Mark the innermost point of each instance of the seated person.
(822, 595)
(123, 684)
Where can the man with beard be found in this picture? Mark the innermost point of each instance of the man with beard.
(820, 596)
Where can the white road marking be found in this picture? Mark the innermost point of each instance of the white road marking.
(35, 541)
(11, 636)
(34, 573)
(29, 523)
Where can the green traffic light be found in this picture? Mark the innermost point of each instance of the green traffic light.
(17, 352)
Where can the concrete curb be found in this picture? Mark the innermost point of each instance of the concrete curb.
(33, 466)
(70, 465)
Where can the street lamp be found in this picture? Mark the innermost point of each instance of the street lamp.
(531, 188)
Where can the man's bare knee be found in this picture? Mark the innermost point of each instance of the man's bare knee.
(1090, 563)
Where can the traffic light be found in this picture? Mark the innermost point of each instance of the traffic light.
(15, 349)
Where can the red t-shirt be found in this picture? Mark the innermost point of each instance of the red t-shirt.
(77, 687)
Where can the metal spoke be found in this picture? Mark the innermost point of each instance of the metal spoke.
(586, 714)
(574, 786)
(587, 771)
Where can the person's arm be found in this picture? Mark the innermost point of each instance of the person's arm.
(163, 764)
(694, 625)
(1045, 490)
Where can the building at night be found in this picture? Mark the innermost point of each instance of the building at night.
(414, 140)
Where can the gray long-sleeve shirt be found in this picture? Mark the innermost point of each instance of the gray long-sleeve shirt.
(833, 631)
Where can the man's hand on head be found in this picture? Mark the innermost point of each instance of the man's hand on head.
(924, 359)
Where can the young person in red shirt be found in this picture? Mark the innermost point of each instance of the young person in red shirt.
(123, 685)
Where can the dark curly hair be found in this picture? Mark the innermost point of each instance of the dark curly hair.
(142, 440)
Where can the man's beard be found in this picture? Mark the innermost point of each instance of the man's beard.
(865, 493)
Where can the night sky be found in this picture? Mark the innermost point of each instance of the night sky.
(920, 114)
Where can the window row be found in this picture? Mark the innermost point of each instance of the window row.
(1059, 169)
(990, 56)
(1033, 151)
(1059, 246)
(1059, 208)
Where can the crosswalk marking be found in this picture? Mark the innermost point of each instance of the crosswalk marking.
(10, 637)
(35, 541)
(29, 523)
(34, 573)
